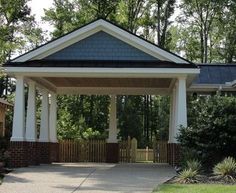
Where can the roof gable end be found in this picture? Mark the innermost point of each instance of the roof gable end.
(92, 28)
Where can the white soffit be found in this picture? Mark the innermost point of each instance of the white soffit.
(92, 28)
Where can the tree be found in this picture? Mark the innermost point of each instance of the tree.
(129, 14)
(100, 9)
(227, 31)
(201, 15)
(18, 33)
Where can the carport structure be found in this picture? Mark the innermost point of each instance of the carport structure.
(98, 58)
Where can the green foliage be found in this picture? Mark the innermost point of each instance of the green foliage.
(187, 176)
(76, 114)
(194, 165)
(190, 172)
(226, 168)
(212, 129)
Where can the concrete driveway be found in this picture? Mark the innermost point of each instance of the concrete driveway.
(87, 178)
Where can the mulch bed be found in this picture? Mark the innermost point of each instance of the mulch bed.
(206, 179)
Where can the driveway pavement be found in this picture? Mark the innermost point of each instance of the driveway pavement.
(87, 178)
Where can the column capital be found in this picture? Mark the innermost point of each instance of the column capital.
(183, 77)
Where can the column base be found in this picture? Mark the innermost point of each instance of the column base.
(44, 152)
(173, 154)
(54, 152)
(18, 154)
(112, 153)
(32, 153)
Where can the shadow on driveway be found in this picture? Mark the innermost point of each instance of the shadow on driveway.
(87, 178)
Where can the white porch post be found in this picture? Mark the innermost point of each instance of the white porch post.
(112, 138)
(44, 124)
(180, 107)
(31, 134)
(172, 116)
(18, 130)
(53, 118)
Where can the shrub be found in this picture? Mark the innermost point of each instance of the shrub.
(212, 129)
(194, 165)
(226, 168)
(187, 176)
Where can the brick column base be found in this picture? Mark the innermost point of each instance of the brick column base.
(173, 154)
(32, 153)
(44, 152)
(54, 152)
(18, 154)
(112, 152)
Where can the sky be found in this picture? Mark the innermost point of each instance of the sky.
(37, 7)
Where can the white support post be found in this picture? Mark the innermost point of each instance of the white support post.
(180, 107)
(53, 118)
(172, 115)
(18, 130)
(44, 124)
(31, 133)
(112, 138)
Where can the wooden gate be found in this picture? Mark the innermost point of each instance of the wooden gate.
(125, 150)
(160, 151)
(82, 151)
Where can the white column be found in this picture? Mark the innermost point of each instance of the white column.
(31, 133)
(112, 138)
(18, 129)
(180, 106)
(172, 115)
(53, 118)
(44, 124)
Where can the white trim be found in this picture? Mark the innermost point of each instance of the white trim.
(232, 84)
(99, 25)
(101, 72)
(210, 88)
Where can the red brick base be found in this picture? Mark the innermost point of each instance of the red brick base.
(23, 154)
(18, 154)
(32, 153)
(173, 154)
(54, 152)
(112, 153)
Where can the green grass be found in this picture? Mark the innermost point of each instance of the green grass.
(195, 188)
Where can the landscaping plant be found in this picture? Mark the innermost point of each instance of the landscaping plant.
(190, 172)
(195, 165)
(226, 169)
(187, 176)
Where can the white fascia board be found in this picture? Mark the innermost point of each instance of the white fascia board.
(233, 83)
(91, 29)
(210, 87)
(100, 72)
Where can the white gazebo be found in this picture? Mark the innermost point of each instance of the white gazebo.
(98, 58)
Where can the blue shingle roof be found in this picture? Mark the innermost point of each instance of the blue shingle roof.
(216, 74)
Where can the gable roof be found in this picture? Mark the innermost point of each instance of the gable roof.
(91, 28)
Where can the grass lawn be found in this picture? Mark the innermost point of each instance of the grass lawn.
(195, 188)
